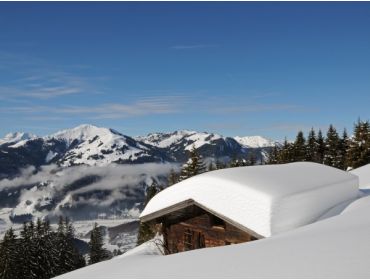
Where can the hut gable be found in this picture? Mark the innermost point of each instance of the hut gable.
(193, 228)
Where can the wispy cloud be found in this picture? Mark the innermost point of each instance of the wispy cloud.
(250, 108)
(34, 78)
(38, 91)
(142, 107)
(116, 180)
(191, 47)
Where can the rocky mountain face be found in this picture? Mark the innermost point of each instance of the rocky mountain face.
(89, 169)
(209, 145)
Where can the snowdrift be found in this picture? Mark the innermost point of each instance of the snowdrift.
(338, 247)
(363, 174)
(266, 200)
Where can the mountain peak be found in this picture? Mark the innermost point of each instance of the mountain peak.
(82, 132)
(14, 137)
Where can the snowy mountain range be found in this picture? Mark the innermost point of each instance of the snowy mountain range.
(89, 169)
(96, 146)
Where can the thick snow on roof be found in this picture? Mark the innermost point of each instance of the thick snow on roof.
(338, 247)
(363, 174)
(265, 199)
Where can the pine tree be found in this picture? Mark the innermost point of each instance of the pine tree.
(194, 165)
(210, 167)
(251, 159)
(29, 261)
(42, 267)
(332, 148)
(320, 147)
(67, 255)
(51, 252)
(97, 252)
(9, 256)
(37, 254)
(145, 232)
(359, 147)
(273, 156)
(75, 259)
(173, 178)
(299, 147)
(286, 154)
(344, 147)
(312, 147)
(219, 165)
(235, 163)
(151, 191)
(61, 247)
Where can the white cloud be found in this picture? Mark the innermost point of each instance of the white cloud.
(119, 180)
(141, 107)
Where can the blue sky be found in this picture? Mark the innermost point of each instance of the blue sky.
(241, 68)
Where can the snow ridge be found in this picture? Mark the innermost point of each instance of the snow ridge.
(255, 141)
(15, 137)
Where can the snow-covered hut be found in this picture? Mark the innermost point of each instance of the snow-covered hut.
(246, 203)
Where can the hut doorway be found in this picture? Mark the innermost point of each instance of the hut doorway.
(193, 240)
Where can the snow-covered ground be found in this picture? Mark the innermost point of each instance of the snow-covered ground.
(337, 247)
(364, 175)
(153, 247)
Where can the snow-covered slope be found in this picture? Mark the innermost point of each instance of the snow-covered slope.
(186, 138)
(209, 145)
(363, 174)
(255, 141)
(153, 247)
(338, 247)
(198, 139)
(165, 140)
(84, 132)
(266, 199)
(15, 137)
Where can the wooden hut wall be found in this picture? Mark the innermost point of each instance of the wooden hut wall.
(202, 229)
